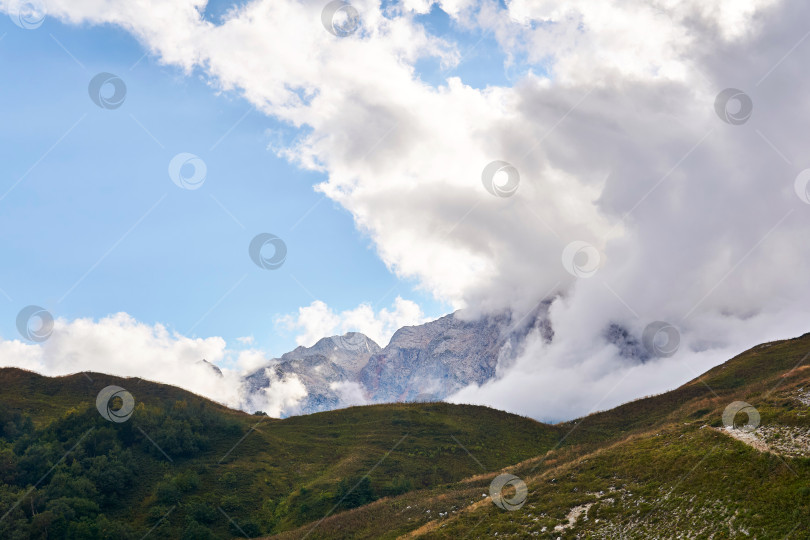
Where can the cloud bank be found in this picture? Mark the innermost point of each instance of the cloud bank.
(688, 206)
(121, 345)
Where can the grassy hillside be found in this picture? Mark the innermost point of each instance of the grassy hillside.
(184, 467)
(191, 468)
(658, 467)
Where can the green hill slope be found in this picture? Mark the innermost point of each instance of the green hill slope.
(659, 467)
(188, 467)
(185, 467)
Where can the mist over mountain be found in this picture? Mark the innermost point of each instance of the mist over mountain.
(328, 372)
(427, 362)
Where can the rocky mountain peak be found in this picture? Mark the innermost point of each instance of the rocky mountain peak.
(423, 362)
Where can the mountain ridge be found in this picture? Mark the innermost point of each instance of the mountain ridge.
(426, 362)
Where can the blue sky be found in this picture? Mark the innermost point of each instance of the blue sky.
(93, 225)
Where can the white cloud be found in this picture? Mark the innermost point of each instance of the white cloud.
(318, 320)
(279, 398)
(314, 321)
(349, 393)
(120, 345)
(250, 360)
(575, 377)
(589, 41)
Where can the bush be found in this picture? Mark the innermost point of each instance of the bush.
(245, 528)
(195, 531)
(230, 503)
(202, 512)
(354, 492)
(397, 486)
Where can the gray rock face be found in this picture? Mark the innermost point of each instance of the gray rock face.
(421, 363)
(629, 346)
(436, 359)
(331, 361)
